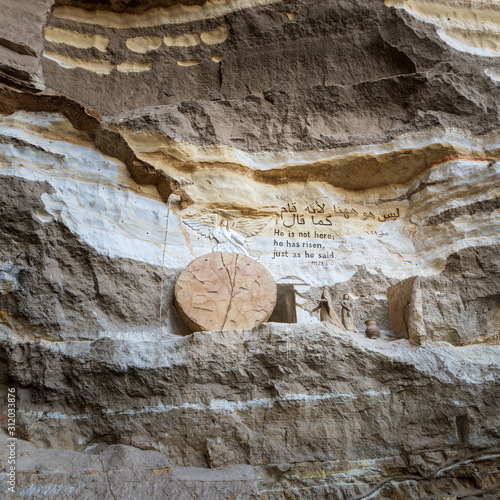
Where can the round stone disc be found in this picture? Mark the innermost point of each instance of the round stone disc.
(224, 291)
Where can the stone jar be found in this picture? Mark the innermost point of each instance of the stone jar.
(372, 332)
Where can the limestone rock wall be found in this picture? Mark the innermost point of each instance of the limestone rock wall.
(300, 407)
(350, 145)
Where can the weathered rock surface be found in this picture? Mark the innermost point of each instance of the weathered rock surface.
(320, 72)
(88, 209)
(307, 408)
(405, 310)
(57, 287)
(21, 43)
(350, 145)
(121, 472)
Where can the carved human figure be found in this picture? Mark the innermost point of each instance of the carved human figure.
(347, 315)
(327, 314)
(228, 240)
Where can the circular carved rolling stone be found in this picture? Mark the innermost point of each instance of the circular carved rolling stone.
(223, 290)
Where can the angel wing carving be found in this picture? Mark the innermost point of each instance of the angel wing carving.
(250, 227)
(199, 227)
(228, 236)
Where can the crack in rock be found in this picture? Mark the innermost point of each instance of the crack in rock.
(231, 283)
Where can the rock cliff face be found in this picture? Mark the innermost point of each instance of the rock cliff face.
(345, 146)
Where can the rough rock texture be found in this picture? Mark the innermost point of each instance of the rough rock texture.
(315, 413)
(123, 472)
(21, 43)
(405, 310)
(320, 76)
(461, 301)
(350, 145)
(465, 297)
(59, 287)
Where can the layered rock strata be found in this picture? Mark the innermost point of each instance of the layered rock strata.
(314, 413)
(348, 146)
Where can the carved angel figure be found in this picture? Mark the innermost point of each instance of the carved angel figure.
(228, 239)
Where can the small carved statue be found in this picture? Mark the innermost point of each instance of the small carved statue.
(327, 314)
(347, 316)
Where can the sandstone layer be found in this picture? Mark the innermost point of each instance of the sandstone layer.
(348, 147)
